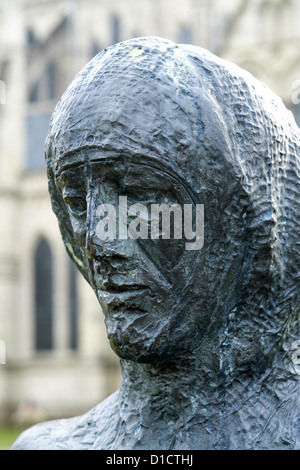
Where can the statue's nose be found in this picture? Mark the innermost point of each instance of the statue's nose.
(109, 248)
(106, 225)
(106, 250)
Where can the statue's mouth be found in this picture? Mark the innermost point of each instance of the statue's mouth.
(112, 288)
(113, 294)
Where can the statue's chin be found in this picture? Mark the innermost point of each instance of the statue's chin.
(146, 336)
(141, 349)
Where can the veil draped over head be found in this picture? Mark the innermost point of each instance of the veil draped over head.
(233, 145)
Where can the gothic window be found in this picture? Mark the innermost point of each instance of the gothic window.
(37, 126)
(43, 297)
(52, 79)
(73, 307)
(95, 49)
(296, 112)
(2, 92)
(115, 29)
(30, 37)
(185, 35)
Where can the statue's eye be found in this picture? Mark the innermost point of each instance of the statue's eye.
(77, 205)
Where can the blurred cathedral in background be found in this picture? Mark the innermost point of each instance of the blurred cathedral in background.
(59, 362)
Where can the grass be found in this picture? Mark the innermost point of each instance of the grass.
(7, 437)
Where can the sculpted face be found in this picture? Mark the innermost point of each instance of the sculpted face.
(121, 131)
(151, 123)
(125, 134)
(140, 283)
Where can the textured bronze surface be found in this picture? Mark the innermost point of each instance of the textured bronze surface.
(205, 337)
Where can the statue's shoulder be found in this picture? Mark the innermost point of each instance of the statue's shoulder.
(94, 429)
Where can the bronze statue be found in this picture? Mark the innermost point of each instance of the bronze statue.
(204, 335)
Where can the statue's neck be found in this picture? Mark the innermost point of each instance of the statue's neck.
(181, 400)
(170, 399)
(192, 402)
(178, 385)
(187, 382)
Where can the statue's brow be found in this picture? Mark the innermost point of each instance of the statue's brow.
(68, 166)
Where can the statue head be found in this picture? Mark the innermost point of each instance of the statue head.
(159, 123)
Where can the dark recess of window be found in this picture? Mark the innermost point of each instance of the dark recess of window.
(52, 73)
(296, 112)
(95, 49)
(185, 35)
(115, 29)
(43, 297)
(73, 306)
(37, 127)
(30, 37)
